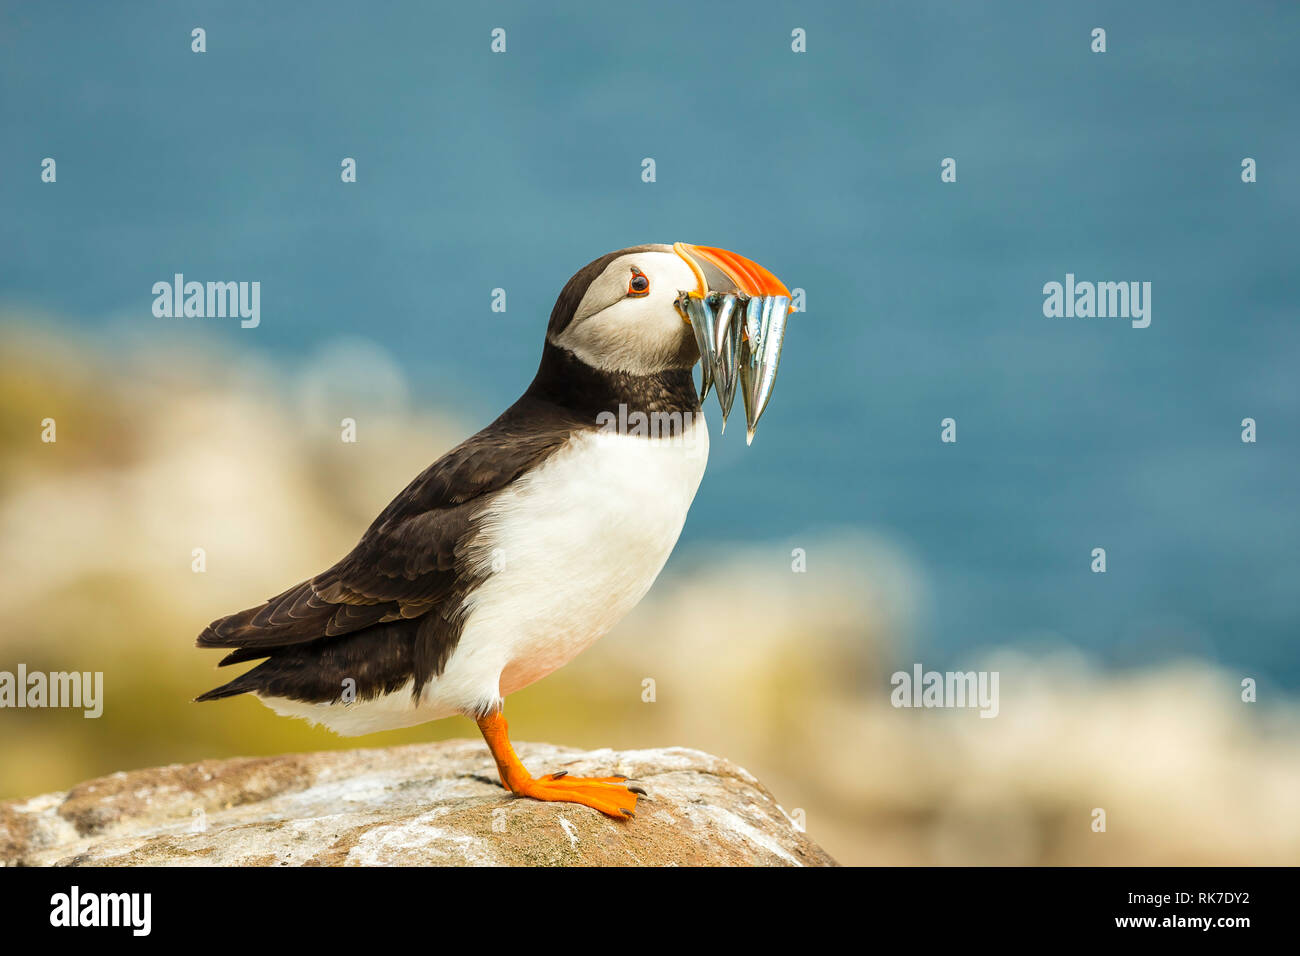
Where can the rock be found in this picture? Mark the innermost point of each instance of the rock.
(426, 804)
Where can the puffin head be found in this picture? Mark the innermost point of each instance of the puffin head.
(622, 312)
(651, 309)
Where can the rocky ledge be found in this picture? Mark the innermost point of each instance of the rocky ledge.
(428, 804)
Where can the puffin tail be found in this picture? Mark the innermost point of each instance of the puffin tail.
(242, 684)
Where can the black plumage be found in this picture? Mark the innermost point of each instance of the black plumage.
(393, 609)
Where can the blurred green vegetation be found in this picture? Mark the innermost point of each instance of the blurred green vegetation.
(164, 447)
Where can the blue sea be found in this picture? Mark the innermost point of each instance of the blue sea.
(924, 299)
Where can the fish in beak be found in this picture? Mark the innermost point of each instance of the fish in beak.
(738, 312)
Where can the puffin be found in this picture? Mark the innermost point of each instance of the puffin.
(521, 546)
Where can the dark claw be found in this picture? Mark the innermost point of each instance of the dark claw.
(558, 774)
(638, 790)
(626, 813)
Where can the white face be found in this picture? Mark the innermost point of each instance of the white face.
(620, 327)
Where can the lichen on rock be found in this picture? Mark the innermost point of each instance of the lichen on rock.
(419, 805)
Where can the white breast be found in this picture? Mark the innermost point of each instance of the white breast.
(572, 546)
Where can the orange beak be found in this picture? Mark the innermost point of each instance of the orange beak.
(737, 311)
(717, 270)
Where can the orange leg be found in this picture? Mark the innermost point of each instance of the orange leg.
(610, 795)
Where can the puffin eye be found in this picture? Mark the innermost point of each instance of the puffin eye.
(638, 285)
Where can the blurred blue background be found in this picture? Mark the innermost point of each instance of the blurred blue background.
(924, 299)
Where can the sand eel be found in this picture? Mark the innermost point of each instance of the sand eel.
(521, 546)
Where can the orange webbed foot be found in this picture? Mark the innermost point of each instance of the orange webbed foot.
(612, 796)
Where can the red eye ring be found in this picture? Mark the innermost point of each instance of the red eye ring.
(638, 285)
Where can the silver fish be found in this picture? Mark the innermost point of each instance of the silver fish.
(726, 351)
(697, 314)
(760, 354)
(718, 338)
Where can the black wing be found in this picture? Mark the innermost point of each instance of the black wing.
(392, 609)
